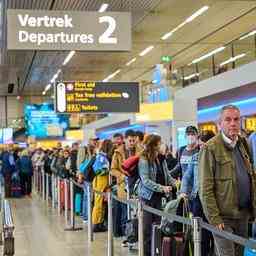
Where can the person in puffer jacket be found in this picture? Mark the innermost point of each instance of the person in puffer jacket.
(101, 168)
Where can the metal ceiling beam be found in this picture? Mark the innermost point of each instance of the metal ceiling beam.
(34, 56)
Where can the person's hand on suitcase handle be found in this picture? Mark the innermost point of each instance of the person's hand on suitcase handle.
(220, 226)
(167, 189)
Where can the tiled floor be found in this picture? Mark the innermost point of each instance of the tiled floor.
(39, 231)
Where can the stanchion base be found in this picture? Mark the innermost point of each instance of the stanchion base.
(73, 229)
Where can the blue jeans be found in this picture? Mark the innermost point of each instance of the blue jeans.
(85, 199)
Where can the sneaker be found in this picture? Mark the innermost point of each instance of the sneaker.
(124, 243)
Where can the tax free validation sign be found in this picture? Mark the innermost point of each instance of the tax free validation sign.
(96, 97)
(68, 30)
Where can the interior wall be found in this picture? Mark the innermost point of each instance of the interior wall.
(11, 108)
(185, 100)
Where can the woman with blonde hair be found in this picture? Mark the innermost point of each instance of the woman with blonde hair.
(25, 169)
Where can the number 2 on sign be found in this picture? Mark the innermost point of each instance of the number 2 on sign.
(106, 38)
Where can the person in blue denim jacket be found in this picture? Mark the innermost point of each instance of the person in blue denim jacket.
(189, 189)
(189, 184)
(155, 183)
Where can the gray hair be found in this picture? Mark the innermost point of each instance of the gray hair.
(227, 107)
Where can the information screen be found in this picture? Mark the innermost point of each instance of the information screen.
(41, 121)
(6, 136)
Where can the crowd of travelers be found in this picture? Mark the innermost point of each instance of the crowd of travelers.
(213, 173)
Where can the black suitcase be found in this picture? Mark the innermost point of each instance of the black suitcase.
(156, 240)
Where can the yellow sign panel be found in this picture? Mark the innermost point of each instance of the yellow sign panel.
(46, 144)
(155, 112)
(208, 127)
(75, 135)
(250, 123)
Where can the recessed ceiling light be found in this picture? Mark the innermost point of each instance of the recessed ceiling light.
(197, 13)
(103, 7)
(188, 20)
(130, 62)
(147, 50)
(208, 54)
(68, 58)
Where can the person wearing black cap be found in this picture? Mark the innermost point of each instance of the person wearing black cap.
(186, 154)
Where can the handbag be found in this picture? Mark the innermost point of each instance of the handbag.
(129, 165)
(131, 230)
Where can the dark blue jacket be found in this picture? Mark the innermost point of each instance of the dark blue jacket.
(24, 165)
(8, 164)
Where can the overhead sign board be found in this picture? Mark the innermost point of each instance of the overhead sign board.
(96, 97)
(68, 30)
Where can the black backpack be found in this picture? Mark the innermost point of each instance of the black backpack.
(89, 174)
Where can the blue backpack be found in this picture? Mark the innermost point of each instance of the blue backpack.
(249, 252)
(84, 165)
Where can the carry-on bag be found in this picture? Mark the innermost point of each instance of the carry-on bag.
(15, 185)
(156, 240)
(173, 246)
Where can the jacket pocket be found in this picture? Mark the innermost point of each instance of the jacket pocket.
(225, 195)
(224, 168)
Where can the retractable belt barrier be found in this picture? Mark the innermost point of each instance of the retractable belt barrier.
(196, 223)
(7, 229)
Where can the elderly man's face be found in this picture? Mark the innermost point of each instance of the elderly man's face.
(230, 123)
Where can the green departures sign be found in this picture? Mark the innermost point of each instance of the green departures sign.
(166, 58)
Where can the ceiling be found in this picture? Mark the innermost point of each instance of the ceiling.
(224, 21)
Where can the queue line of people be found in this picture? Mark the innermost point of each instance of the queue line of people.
(215, 172)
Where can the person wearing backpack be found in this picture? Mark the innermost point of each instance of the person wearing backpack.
(155, 183)
(101, 168)
(84, 160)
(25, 169)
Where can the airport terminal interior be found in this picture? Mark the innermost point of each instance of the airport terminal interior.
(128, 127)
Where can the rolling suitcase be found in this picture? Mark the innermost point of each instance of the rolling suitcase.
(173, 246)
(15, 185)
(156, 240)
(62, 195)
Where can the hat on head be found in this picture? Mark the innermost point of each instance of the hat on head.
(191, 129)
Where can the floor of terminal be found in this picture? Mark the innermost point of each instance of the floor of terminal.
(40, 231)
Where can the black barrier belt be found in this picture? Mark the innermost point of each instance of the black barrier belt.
(77, 184)
(124, 201)
(229, 236)
(185, 221)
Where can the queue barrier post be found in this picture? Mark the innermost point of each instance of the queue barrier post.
(58, 195)
(43, 185)
(53, 191)
(66, 200)
(72, 215)
(140, 228)
(197, 235)
(89, 214)
(47, 188)
(110, 226)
